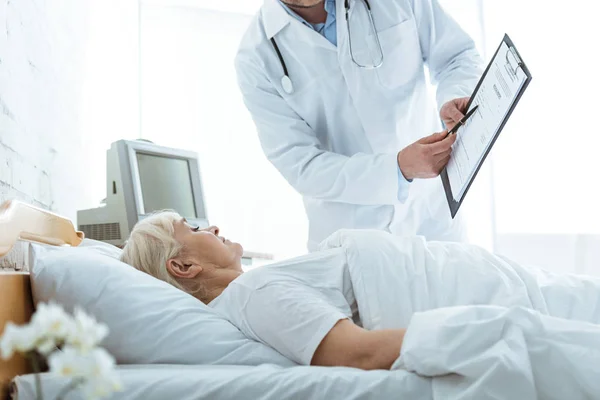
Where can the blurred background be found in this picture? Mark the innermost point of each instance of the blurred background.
(77, 75)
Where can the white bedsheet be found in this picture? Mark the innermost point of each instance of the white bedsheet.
(267, 382)
(481, 326)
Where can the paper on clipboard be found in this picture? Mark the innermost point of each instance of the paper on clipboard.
(495, 96)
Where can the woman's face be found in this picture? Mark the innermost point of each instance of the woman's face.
(207, 247)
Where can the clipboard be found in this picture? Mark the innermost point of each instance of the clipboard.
(513, 59)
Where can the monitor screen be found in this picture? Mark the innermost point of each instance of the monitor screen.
(166, 183)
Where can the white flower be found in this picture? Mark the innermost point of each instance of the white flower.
(102, 362)
(69, 363)
(91, 368)
(15, 338)
(96, 370)
(51, 321)
(102, 387)
(86, 332)
(45, 345)
(7, 347)
(102, 379)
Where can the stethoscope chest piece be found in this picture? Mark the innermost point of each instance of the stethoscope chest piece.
(287, 85)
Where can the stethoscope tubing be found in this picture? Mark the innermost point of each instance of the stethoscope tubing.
(286, 82)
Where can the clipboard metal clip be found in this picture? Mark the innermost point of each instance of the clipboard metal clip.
(517, 60)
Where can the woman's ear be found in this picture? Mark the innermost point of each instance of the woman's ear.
(180, 269)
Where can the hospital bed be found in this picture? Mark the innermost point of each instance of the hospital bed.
(168, 344)
(19, 221)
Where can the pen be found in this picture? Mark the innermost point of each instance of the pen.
(462, 121)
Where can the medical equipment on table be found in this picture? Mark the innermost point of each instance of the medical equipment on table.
(142, 178)
(286, 82)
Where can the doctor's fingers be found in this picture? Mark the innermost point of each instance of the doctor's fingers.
(443, 145)
(441, 161)
(441, 164)
(455, 114)
(433, 138)
(441, 156)
(453, 110)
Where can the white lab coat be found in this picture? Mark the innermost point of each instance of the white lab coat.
(335, 139)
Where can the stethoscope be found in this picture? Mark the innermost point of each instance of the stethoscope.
(286, 82)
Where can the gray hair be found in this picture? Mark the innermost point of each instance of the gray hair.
(151, 244)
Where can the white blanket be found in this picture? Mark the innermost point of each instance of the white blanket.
(481, 326)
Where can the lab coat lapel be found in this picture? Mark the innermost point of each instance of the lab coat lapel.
(309, 36)
(276, 18)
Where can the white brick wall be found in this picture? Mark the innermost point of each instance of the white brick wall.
(42, 53)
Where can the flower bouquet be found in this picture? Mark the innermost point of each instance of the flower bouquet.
(68, 346)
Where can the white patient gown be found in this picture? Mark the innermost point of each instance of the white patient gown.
(291, 306)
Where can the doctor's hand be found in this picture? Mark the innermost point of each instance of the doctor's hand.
(427, 157)
(453, 111)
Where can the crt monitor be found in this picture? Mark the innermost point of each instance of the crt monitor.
(142, 178)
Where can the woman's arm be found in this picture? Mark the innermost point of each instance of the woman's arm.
(349, 345)
(303, 325)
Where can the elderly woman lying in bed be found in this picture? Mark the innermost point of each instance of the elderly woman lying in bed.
(349, 304)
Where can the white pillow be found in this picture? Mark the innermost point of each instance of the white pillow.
(102, 248)
(38, 250)
(150, 321)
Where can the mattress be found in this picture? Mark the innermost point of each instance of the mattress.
(266, 382)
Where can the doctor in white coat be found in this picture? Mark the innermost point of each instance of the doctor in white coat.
(346, 115)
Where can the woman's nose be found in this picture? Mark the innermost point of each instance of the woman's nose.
(214, 230)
